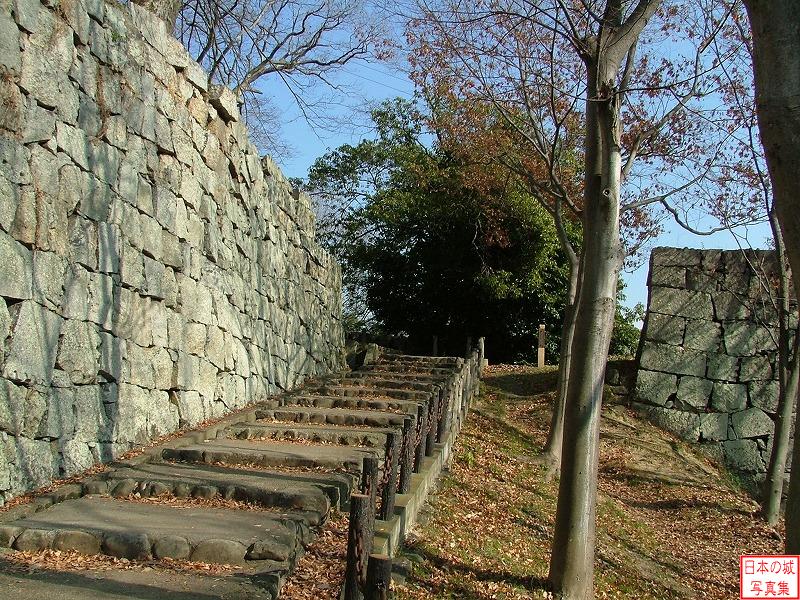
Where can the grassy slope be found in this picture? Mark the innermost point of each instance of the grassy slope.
(670, 524)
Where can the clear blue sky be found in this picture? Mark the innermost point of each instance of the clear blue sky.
(367, 84)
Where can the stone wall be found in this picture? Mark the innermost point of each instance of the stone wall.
(155, 271)
(708, 351)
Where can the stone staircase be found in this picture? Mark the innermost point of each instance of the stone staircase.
(296, 457)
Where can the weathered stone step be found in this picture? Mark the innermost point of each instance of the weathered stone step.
(405, 359)
(341, 435)
(352, 390)
(134, 530)
(271, 454)
(208, 481)
(401, 376)
(352, 403)
(409, 369)
(386, 383)
(331, 416)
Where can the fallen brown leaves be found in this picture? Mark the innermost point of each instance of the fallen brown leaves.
(669, 523)
(58, 560)
(320, 572)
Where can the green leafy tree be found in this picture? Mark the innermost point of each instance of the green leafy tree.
(426, 251)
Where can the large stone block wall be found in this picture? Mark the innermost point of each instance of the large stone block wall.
(708, 353)
(154, 271)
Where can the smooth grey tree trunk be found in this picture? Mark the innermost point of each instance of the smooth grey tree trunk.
(776, 56)
(572, 558)
(551, 453)
(788, 378)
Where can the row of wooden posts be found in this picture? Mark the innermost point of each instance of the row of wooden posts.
(368, 575)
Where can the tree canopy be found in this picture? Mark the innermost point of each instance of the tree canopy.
(428, 247)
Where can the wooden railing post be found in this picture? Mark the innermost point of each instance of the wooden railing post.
(359, 546)
(379, 577)
(421, 436)
(407, 457)
(540, 353)
(389, 487)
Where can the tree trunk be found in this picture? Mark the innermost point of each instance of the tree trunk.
(551, 454)
(572, 559)
(166, 10)
(788, 377)
(776, 60)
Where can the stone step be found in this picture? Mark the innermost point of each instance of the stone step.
(406, 368)
(208, 481)
(332, 416)
(350, 403)
(401, 376)
(344, 436)
(376, 392)
(271, 454)
(409, 359)
(135, 530)
(386, 383)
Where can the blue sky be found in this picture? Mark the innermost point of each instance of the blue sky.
(366, 84)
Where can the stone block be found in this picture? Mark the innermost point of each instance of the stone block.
(682, 303)
(77, 541)
(190, 408)
(764, 395)
(723, 367)
(133, 546)
(91, 421)
(694, 392)
(75, 304)
(172, 546)
(82, 239)
(112, 355)
(743, 455)
(665, 329)
(76, 457)
(668, 276)
(675, 257)
(729, 306)
(703, 335)
(14, 161)
(49, 272)
(60, 419)
(78, 351)
(673, 359)
(224, 101)
(130, 417)
(685, 425)
(713, 427)
(751, 423)
(103, 293)
(109, 248)
(755, 368)
(742, 338)
(17, 263)
(729, 397)
(36, 464)
(31, 353)
(21, 409)
(34, 540)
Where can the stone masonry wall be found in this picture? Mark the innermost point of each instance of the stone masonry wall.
(708, 351)
(154, 271)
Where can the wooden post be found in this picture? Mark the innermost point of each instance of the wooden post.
(435, 350)
(481, 354)
(390, 476)
(422, 423)
(369, 478)
(379, 577)
(440, 421)
(540, 354)
(359, 546)
(469, 346)
(407, 458)
(433, 425)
